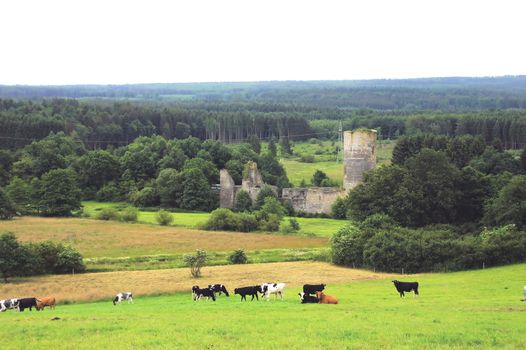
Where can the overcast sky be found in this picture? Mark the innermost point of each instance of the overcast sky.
(117, 42)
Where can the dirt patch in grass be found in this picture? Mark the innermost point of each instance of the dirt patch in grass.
(96, 286)
(95, 238)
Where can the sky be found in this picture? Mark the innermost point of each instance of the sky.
(57, 42)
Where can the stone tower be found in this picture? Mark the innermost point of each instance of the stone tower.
(359, 155)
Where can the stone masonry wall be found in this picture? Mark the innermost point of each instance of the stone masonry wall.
(359, 155)
(312, 199)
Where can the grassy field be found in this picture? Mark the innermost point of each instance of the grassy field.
(325, 160)
(465, 310)
(308, 226)
(96, 238)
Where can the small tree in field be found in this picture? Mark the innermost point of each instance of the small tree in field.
(238, 257)
(164, 218)
(196, 262)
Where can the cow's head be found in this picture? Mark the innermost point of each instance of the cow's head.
(302, 296)
(195, 288)
(319, 295)
(235, 291)
(395, 282)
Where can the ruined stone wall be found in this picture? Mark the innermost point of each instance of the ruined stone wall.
(312, 199)
(227, 192)
(359, 155)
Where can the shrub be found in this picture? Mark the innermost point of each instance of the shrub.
(272, 206)
(108, 214)
(247, 222)
(271, 223)
(147, 197)
(307, 158)
(290, 226)
(222, 219)
(164, 218)
(238, 257)
(339, 209)
(129, 214)
(265, 192)
(243, 201)
(108, 193)
(196, 262)
(69, 260)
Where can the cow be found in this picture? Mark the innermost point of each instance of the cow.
(272, 288)
(8, 304)
(313, 288)
(123, 296)
(219, 288)
(402, 287)
(25, 303)
(244, 291)
(45, 301)
(306, 298)
(326, 299)
(198, 293)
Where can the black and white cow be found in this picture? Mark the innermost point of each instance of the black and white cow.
(219, 288)
(273, 288)
(198, 293)
(123, 296)
(26, 303)
(313, 288)
(306, 298)
(8, 304)
(402, 287)
(244, 291)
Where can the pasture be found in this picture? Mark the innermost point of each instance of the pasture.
(464, 310)
(308, 226)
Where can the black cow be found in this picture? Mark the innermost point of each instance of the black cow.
(305, 298)
(27, 303)
(244, 291)
(402, 287)
(198, 293)
(219, 288)
(313, 288)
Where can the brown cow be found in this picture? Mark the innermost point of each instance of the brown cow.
(326, 299)
(45, 301)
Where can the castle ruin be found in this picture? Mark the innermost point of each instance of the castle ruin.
(359, 156)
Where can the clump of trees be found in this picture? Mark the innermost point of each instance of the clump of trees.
(379, 243)
(21, 259)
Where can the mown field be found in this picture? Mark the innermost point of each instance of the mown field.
(97, 238)
(464, 310)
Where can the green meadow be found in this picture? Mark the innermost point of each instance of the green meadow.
(308, 226)
(464, 310)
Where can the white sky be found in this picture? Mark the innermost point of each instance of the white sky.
(116, 42)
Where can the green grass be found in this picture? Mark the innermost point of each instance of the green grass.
(297, 171)
(465, 310)
(170, 261)
(308, 226)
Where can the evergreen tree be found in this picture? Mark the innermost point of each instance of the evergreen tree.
(243, 201)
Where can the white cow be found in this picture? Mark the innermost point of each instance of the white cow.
(123, 296)
(8, 304)
(272, 288)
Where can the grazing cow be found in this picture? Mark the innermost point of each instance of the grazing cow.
(123, 296)
(326, 299)
(45, 301)
(272, 288)
(25, 303)
(244, 291)
(402, 287)
(306, 298)
(198, 293)
(8, 304)
(313, 288)
(219, 288)
(524, 291)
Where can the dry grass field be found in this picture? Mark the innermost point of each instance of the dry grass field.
(94, 238)
(104, 285)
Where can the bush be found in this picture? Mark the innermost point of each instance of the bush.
(272, 206)
(307, 158)
(339, 209)
(129, 214)
(222, 219)
(69, 260)
(164, 218)
(271, 223)
(108, 214)
(108, 193)
(196, 262)
(243, 201)
(238, 257)
(147, 197)
(247, 222)
(290, 226)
